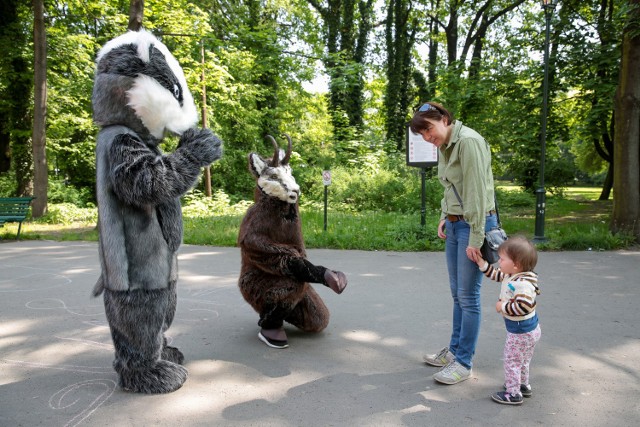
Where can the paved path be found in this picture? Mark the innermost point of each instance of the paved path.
(365, 369)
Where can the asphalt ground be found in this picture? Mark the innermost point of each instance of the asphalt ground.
(365, 369)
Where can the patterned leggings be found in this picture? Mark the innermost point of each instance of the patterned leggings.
(518, 351)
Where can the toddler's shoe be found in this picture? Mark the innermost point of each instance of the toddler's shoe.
(507, 399)
(525, 389)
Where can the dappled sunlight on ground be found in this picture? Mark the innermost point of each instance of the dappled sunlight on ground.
(365, 369)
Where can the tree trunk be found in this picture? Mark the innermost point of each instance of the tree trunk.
(626, 185)
(607, 185)
(40, 170)
(136, 13)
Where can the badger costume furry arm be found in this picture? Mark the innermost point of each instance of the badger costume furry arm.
(141, 175)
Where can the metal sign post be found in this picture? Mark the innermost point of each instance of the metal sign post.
(326, 180)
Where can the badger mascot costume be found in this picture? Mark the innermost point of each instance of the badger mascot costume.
(139, 94)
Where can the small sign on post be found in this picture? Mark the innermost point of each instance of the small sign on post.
(420, 153)
(326, 177)
(423, 155)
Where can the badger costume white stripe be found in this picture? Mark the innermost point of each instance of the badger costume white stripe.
(139, 94)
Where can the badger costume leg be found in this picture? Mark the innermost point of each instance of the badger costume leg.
(172, 354)
(137, 320)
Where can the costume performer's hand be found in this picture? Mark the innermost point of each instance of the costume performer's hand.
(336, 280)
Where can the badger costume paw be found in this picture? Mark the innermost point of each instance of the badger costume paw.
(201, 144)
(161, 377)
(172, 354)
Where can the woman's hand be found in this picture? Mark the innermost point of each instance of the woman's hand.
(441, 230)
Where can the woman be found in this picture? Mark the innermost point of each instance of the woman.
(468, 209)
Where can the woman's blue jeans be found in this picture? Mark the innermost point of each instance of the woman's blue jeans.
(465, 280)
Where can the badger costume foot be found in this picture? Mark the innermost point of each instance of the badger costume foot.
(143, 361)
(172, 354)
(159, 377)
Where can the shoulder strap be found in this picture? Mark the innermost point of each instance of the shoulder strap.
(495, 201)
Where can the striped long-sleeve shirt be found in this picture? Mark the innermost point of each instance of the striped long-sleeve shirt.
(518, 295)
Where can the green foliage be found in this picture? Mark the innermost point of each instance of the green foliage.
(68, 213)
(375, 185)
(258, 54)
(196, 205)
(62, 192)
(7, 184)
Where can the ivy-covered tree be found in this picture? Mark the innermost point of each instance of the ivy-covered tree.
(16, 86)
(346, 28)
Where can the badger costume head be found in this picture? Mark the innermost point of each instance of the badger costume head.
(139, 84)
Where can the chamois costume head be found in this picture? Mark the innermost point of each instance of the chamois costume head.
(273, 176)
(139, 84)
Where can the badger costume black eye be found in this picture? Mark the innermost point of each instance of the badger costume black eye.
(176, 91)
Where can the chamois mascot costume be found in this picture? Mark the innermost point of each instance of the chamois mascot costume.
(275, 273)
(139, 94)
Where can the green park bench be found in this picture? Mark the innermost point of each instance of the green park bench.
(14, 209)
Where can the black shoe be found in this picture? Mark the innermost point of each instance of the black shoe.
(273, 343)
(525, 389)
(506, 398)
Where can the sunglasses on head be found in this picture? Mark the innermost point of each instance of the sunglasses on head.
(427, 107)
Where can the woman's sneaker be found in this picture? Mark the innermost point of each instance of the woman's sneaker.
(453, 373)
(525, 389)
(440, 359)
(507, 399)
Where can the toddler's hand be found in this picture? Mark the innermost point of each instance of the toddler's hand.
(499, 306)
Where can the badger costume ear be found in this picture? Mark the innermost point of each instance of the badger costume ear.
(256, 164)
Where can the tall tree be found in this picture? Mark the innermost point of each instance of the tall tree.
(400, 35)
(40, 170)
(347, 26)
(136, 13)
(18, 95)
(626, 204)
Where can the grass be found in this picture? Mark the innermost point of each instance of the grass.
(577, 220)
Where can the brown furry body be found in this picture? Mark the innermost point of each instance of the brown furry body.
(270, 238)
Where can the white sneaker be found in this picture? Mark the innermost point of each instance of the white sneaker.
(453, 373)
(442, 358)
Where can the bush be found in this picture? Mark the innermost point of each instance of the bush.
(366, 189)
(196, 205)
(68, 213)
(61, 192)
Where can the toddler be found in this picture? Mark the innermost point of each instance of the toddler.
(517, 304)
